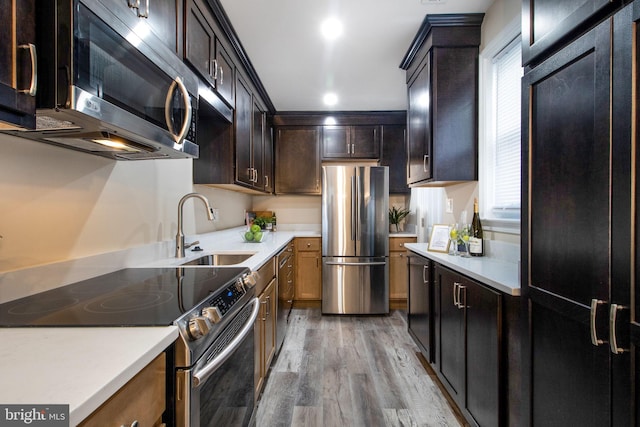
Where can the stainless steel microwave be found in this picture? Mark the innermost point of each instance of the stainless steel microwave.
(107, 88)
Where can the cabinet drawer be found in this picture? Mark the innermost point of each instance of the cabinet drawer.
(142, 399)
(397, 243)
(266, 272)
(308, 244)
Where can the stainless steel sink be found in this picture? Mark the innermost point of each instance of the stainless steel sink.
(220, 259)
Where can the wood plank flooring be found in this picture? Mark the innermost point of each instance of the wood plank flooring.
(350, 371)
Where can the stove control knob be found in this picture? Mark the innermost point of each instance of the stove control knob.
(240, 286)
(198, 327)
(251, 279)
(213, 314)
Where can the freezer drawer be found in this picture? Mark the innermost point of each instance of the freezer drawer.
(355, 285)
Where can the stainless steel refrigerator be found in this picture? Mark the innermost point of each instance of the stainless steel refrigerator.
(355, 239)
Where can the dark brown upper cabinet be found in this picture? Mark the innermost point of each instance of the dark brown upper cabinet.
(298, 160)
(17, 71)
(442, 116)
(546, 23)
(356, 142)
(164, 18)
(394, 155)
(205, 52)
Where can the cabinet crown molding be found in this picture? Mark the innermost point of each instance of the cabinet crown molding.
(432, 23)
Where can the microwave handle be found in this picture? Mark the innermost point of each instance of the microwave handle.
(188, 112)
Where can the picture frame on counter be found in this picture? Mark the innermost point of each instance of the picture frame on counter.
(439, 240)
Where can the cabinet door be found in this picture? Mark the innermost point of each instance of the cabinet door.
(483, 309)
(200, 41)
(257, 145)
(243, 128)
(397, 275)
(419, 125)
(450, 345)
(224, 74)
(545, 22)
(267, 164)
(569, 220)
(365, 142)
(269, 320)
(165, 21)
(308, 285)
(420, 312)
(17, 32)
(336, 142)
(394, 155)
(298, 160)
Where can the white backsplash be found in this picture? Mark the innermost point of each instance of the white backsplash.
(427, 207)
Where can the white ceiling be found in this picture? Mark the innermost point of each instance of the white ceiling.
(297, 67)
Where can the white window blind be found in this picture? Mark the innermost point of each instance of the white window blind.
(505, 155)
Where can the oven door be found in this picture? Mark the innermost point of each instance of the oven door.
(219, 388)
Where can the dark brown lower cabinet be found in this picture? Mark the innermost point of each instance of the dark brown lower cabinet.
(420, 304)
(468, 342)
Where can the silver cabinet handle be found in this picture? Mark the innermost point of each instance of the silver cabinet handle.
(592, 321)
(144, 14)
(461, 288)
(221, 76)
(425, 268)
(215, 69)
(266, 181)
(187, 103)
(424, 162)
(613, 342)
(456, 293)
(33, 87)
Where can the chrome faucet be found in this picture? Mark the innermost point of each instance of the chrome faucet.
(180, 245)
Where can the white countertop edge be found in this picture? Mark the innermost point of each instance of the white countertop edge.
(496, 273)
(85, 379)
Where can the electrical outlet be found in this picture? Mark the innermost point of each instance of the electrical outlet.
(449, 208)
(216, 214)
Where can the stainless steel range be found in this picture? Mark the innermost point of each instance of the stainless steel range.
(214, 309)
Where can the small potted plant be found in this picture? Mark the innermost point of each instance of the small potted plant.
(397, 215)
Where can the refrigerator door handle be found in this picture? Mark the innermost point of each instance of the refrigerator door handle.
(353, 208)
(358, 204)
(355, 263)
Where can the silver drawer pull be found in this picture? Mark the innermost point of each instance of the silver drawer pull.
(592, 321)
(613, 341)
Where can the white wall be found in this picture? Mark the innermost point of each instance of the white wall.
(57, 204)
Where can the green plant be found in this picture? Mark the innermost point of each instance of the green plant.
(397, 215)
(262, 221)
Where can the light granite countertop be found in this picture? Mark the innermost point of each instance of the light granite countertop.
(81, 367)
(497, 273)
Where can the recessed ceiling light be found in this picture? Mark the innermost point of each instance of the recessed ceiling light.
(330, 99)
(331, 28)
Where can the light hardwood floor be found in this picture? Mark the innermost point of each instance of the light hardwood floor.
(350, 371)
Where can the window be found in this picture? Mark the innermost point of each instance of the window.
(500, 143)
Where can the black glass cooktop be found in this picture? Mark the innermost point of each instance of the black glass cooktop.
(129, 297)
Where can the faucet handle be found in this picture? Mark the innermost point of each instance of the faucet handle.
(188, 245)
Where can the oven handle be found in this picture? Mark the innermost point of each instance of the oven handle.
(201, 375)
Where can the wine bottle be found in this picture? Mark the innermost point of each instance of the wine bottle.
(476, 245)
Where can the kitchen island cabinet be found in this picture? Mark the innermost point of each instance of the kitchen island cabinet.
(442, 116)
